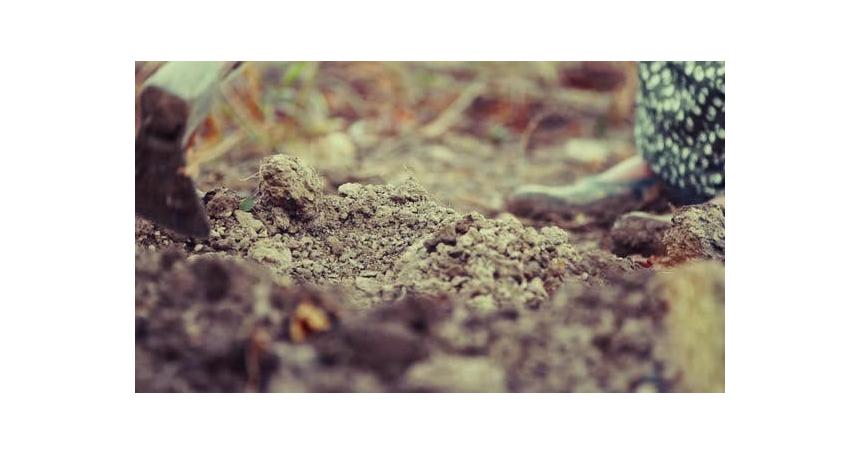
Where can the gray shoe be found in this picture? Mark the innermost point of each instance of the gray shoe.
(592, 197)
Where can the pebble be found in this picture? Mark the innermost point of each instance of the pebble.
(457, 374)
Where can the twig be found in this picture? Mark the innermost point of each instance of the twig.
(246, 120)
(530, 129)
(196, 157)
(245, 179)
(450, 116)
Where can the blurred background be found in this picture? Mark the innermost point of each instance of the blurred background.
(469, 132)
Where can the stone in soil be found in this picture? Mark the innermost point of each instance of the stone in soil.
(639, 233)
(697, 232)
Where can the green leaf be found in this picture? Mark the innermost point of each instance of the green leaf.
(293, 72)
(247, 204)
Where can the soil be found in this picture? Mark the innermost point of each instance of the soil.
(364, 259)
(381, 241)
(211, 322)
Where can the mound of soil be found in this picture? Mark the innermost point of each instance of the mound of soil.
(382, 288)
(379, 242)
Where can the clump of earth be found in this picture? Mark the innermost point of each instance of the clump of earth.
(697, 232)
(690, 233)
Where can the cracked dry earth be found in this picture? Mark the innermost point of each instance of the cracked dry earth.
(382, 288)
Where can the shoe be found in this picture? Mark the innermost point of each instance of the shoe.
(592, 197)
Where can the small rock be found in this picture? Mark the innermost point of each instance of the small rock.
(349, 189)
(248, 221)
(359, 133)
(271, 253)
(444, 373)
(366, 284)
(639, 233)
(441, 153)
(338, 148)
(221, 203)
(647, 387)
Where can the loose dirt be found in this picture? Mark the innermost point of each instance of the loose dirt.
(211, 322)
(382, 288)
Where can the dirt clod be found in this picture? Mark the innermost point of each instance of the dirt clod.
(697, 232)
(639, 233)
(221, 202)
(287, 183)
